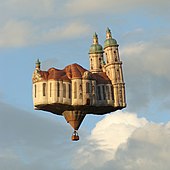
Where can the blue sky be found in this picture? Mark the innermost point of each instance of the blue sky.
(60, 33)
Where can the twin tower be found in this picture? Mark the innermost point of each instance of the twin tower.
(108, 61)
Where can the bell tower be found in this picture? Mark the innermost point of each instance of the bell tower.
(113, 69)
(96, 55)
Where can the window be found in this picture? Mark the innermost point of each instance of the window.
(80, 96)
(50, 89)
(108, 92)
(75, 90)
(87, 87)
(104, 93)
(69, 91)
(112, 93)
(35, 90)
(118, 74)
(44, 89)
(106, 58)
(99, 93)
(80, 87)
(64, 90)
(58, 89)
(91, 64)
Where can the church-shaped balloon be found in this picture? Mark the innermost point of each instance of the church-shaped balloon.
(75, 91)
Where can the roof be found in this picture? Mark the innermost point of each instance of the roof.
(72, 71)
(110, 42)
(101, 78)
(95, 48)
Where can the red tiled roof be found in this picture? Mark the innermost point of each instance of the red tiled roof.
(101, 78)
(44, 75)
(72, 71)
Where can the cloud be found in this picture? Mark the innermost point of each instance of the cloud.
(146, 72)
(123, 141)
(15, 33)
(30, 9)
(32, 140)
(72, 30)
(121, 124)
(148, 148)
(119, 141)
(24, 33)
(112, 6)
(107, 136)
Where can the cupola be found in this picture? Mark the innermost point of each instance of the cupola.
(109, 40)
(95, 47)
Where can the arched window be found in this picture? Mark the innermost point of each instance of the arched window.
(104, 93)
(108, 92)
(99, 93)
(75, 90)
(35, 90)
(112, 93)
(118, 74)
(58, 89)
(80, 87)
(106, 58)
(80, 96)
(44, 89)
(50, 88)
(64, 90)
(69, 91)
(87, 87)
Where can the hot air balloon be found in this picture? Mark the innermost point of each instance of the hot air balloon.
(75, 91)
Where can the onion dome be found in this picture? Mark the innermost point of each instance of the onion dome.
(95, 47)
(109, 40)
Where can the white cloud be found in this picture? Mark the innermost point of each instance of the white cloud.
(152, 55)
(122, 141)
(112, 6)
(146, 70)
(107, 136)
(72, 30)
(22, 33)
(148, 148)
(15, 33)
(29, 8)
(116, 127)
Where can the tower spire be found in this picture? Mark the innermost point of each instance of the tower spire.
(95, 38)
(38, 64)
(108, 33)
